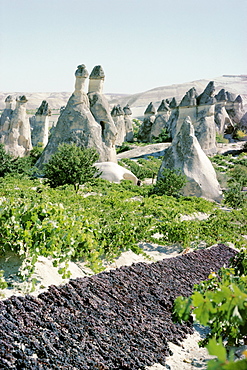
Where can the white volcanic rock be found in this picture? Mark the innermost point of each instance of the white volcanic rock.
(118, 118)
(40, 125)
(161, 119)
(76, 124)
(17, 134)
(144, 133)
(185, 153)
(129, 136)
(113, 172)
(221, 116)
(205, 127)
(101, 111)
(6, 115)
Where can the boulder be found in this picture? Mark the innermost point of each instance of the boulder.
(16, 136)
(111, 171)
(185, 153)
(40, 125)
(76, 124)
(100, 109)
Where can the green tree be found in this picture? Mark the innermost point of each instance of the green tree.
(170, 182)
(71, 165)
(5, 161)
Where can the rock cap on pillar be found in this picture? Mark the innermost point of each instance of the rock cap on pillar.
(21, 99)
(189, 99)
(127, 110)
(43, 109)
(150, 109)
(96, 80)
(81, 71)
(97, 73)
(163, 107)
(207, 97)
(221, 96)
(173, 104)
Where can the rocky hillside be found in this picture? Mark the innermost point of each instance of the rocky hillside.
(138, 102)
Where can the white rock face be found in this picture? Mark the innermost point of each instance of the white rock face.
(101, 112)
(6, 115)
(16, 135)
(77, 124)
(129, 136)
(113, 172)
(118, 119)
(185, 153)
(40, 125)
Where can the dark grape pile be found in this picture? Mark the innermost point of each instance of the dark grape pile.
(119, 319)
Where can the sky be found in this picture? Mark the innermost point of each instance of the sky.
(141, 44)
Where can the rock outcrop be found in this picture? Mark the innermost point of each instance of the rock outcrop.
(161, 119)
(222, 120)
(205, 128)
(186, 154)
(128, 124)
(117, 114)
(146, 126)
(100, 109)
(113, 172)
(16, 135)
(6, 115)
(77, 124)
(40, 125)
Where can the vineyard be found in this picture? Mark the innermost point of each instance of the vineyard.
(121, 319)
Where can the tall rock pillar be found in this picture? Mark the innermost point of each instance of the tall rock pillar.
(40, 129)
(76, 124)
(100, 109)
(17, 138)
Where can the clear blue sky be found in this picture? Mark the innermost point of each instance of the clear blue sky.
(141, 44)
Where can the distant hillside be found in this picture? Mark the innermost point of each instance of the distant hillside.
(138, 102)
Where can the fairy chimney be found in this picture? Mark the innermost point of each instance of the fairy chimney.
(17, 136)
(129, 137)
(101, 111)
(146, 126)
(186, 154)
(76, 124)
(161, 119)
(40, 125)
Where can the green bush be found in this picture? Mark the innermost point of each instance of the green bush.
(71, 165)
(220, 139)
(163, 137)
(5, 161)
(170, 183)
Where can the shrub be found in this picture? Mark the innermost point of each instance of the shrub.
(163, 137)
(170, 183)
(123, 148)
(234, 197)
(71, 165)
(5, 161)
(240, 135)
(220, 139)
